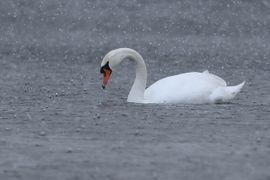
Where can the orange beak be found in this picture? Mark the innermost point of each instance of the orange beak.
(106, 77)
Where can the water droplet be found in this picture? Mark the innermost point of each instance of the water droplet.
(42, 133)
(69, 150)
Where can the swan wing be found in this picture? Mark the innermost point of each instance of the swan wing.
(206, 72)
(218, 79)
(191, 87)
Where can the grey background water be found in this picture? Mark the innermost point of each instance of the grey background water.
(57, 123)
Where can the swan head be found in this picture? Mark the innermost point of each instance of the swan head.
(106, 71)
(113, 57)
(109, 62)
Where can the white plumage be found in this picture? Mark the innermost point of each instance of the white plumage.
(187, 88)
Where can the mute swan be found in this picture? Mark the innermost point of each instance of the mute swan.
(188, 88)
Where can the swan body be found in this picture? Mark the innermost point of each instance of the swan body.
(187, 88)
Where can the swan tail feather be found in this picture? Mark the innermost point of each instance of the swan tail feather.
(225, 94)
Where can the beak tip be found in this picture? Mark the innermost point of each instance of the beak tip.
(103, 87)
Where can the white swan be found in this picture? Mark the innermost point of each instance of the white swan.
(188, 88)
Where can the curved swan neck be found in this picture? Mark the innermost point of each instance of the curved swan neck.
(136, 93)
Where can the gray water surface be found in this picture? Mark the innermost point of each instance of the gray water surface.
(57, 123)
